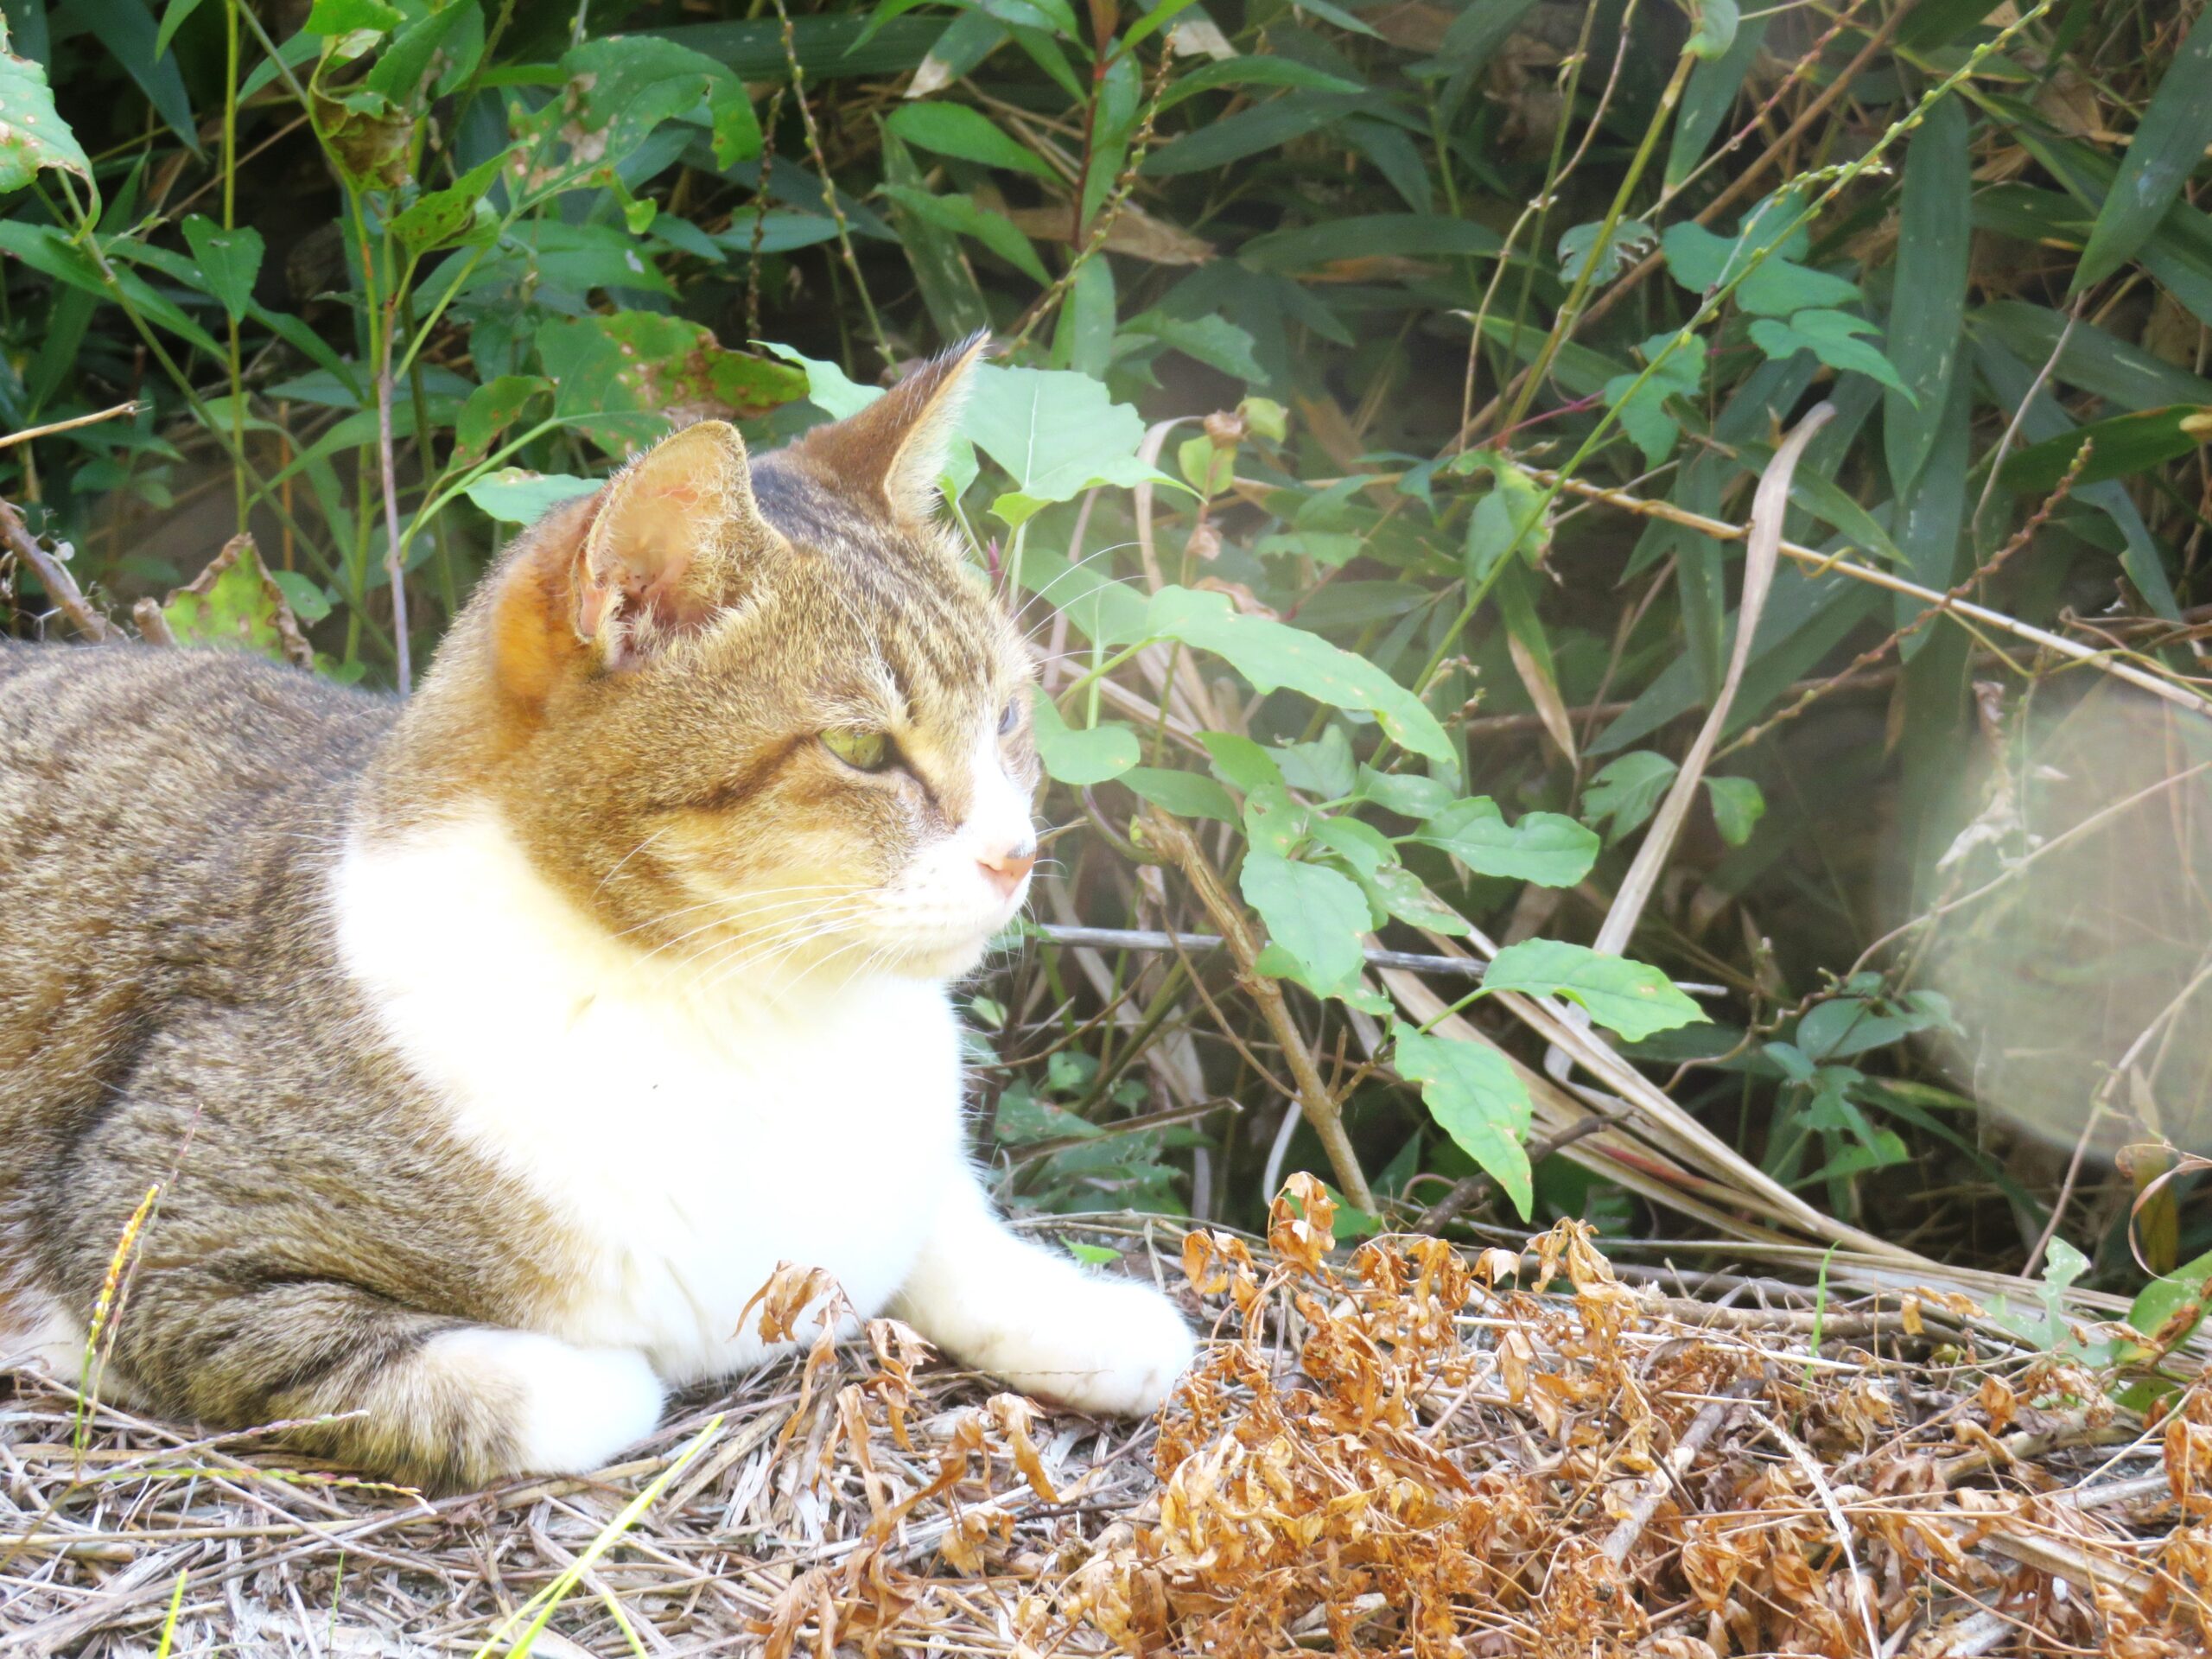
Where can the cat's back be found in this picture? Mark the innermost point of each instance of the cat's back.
(163, 818)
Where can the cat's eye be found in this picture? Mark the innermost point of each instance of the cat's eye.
(862, 751)
(1010, 719)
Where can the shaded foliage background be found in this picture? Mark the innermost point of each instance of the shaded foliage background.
(1374, 303)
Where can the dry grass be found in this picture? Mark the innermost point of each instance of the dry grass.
(1408, 1451)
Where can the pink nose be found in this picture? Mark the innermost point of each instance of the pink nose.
(1004, 869)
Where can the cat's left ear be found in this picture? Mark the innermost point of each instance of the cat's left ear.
(893, 452)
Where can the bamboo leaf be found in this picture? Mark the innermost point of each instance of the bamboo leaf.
(2170, 141)
(1928, 312)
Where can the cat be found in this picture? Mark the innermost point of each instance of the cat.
(491, 1050)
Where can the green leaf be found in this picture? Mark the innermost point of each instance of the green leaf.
(457, 216)
(828, 388)
(1712, 93)
(1079, 757)
(1215, 342)
(617, 374)
(127, 30)
(350, 16)
(1263, 126)
(970, 135)
(1629, 997)
(489, 410)
(616, 92)
(1632, 240)
(1777, 287)
(1315, 917)
(515, 496)
(1716, 28)
(2163, 1297)
(960, 215)
(232, 605)
(2169, 142)
(172, 19)
(1628, 790)
(1185, 794)
(1056, 433)
(1242, 763)
(1403, 792)
(1831, 336)
(1364, 236)
(1511, 518)
(32, 136)
(1476, 1098)
(2126, 444)
(303, 593)
(1737, 806)
(1643, 408)
(1097, 1255)
(1927, 312)
(1545, 848)
(1253, 70)
(229, 261)
(1273, 654)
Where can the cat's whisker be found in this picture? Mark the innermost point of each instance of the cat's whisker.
(626, 857)
(815, 913)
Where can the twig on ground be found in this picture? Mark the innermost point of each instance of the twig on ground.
(53, 575)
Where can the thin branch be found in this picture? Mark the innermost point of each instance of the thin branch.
(53, 574)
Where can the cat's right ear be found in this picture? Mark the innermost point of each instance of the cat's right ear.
(613, 577)
(668, 547)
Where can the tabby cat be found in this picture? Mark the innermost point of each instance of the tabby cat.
(491, 1050)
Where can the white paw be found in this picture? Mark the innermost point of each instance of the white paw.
(1109, 1347)
(578, 1407)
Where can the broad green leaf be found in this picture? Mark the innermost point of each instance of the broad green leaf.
(616, 92)
(1629, 997)
(1079, 757)
(1545, 848)
(1628, 791)
(1777, 287)
(1476, 1098)
(352, 16)
(1274, 822)
(618, 373)
(968, 134)
(489, 410)
(456, 216)
(1315, 917)
(1097, 1255)
(1737, 806)
(1185, 794)
(1831, 336)
(303, 593)
(515, 496)
(2126, 444)
(233, 605)
(1511, 518)
(2163, 1297)
(1927, 312)
(1215, 342)
(2169, 142)
(1242, 763)
(1632, 240)
(1056, 433)
(229, 261)
(828, 388)
(32, 136)
(1405, 793)
(1643, 408)
(1323, 768)
(45, 248)
(1273, 654)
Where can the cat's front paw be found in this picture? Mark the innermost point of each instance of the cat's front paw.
(1108, 1346)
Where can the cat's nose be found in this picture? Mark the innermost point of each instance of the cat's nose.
(1004, 869)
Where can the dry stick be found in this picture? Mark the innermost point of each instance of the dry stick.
(153, 624)
(394, 564)
(1169, 836)
(1662, 1480)
(1467, 1189)
(829, 186)
(11, 439)
(61, 586)
(1146, 938)
(2171, 691)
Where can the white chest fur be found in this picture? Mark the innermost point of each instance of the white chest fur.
(687, 1144)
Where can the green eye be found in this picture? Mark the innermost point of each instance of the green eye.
(863, 751)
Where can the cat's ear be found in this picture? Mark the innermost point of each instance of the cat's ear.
(893, 452)
(668, 546)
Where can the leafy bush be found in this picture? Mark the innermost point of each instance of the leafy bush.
(1383, 390)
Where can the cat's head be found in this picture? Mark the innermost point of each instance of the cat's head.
(758, 716)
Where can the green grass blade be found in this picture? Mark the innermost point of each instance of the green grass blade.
(2168, 145)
